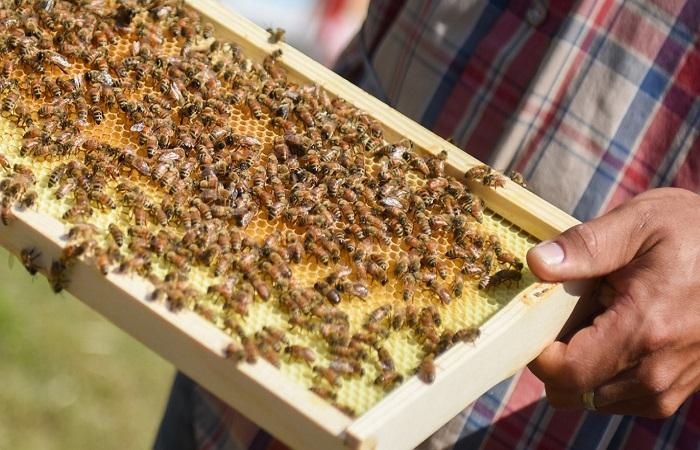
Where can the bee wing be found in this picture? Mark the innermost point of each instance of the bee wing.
(138, 127)
(59, 60)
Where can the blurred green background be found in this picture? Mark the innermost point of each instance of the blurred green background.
(68, 378)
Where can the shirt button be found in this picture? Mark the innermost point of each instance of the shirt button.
(537, 13)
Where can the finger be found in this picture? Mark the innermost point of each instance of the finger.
(654, 407)
(563, 399)
(623, 387)
(594, 248)
(594, 355)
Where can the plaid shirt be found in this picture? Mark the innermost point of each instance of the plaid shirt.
(593, 101)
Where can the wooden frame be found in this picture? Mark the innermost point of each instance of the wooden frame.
(510, 339)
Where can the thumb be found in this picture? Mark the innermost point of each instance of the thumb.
(591, 249)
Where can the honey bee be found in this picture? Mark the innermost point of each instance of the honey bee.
(517, 177)
(379, 314)
(234, 352)
(355, 288)
(478, 172)
(426, 370)
(10, 102)
(328, 374)
(300, 353)
(502, 277)
(276, 35)
(458, 286)
(386, 362)
(442, 292)
(331, 294)
(323, 392)
(28, 200)
(507, 258)
(467, 335)
(269, 354)
(387, 380)
(116, 233)
(102, 200)
(178, 261)
(254, 106)
(29, 257)
(105, 258)
(57, 276)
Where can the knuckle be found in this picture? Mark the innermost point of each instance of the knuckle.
(663, 407)
(585, 237)
(578, 380)
(656, 380)
(645, 216)
(655, 336)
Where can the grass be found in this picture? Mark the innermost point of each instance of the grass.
(70, 379)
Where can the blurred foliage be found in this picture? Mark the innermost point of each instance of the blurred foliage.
(70, 379)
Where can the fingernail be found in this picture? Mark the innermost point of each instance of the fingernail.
(549, 252)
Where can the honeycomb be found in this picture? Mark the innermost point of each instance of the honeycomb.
(356, 394)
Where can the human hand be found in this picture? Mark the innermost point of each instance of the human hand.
(641, 354)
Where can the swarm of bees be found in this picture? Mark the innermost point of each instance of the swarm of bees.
(187, 187)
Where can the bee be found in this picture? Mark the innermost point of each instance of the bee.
(386, 362)
(379, 314)
(28, 199)
(467, 335)
(6, 214)
(254, 106)
(116, 233)
(355, 288)
(475, 208)
(511, 260)
(102, 200)
(458, 286)
(319, 253)
(377, 273)
(324, 393)
(7, 68)
(104, 259)
(348, 367)
(269, 354)
(276, 35)
(478, 172)
(426, 370)
(57, 276)
(502, 277)
(409, 284)
(10, 102)
(97, 115)
(95, 93)
(234, 352)
(261, 286)
(51, 87)
(250, 349)
(328, 374)
(178, 261)
(387, 380)
(5, 163)
(300, 353)
(442, 292)
(331, 294)
(29, 257)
